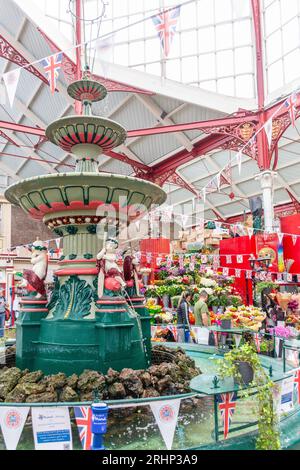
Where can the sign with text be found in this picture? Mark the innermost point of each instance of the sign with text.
(51, 428)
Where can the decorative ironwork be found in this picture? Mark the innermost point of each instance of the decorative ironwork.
(246, 131)
(5, 136)
(7, 51)
(239, 136)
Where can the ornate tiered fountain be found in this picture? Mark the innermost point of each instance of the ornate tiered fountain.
(85, 325)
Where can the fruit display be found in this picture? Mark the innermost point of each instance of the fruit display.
(248, 317)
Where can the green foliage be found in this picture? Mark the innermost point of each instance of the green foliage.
(268, 433)
(235, 301)
(260, 286)
(72, 256)
(88, 255)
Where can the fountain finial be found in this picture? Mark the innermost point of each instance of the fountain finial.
(86, 136)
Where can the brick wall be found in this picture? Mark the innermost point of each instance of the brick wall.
(25, 230)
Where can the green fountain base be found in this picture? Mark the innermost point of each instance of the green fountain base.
(117, 337)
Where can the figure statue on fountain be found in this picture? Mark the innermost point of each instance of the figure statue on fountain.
(110, 275)
(36, 276)
(132, 275)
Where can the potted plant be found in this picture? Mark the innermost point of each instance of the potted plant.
(226, 320)
(213, 302)
(230, 366)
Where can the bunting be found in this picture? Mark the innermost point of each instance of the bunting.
(290, 104)
(227, 405)
(268, 130)
(165, 24)
(11, 80)
(52, 65)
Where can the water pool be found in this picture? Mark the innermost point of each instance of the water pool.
(134, 427)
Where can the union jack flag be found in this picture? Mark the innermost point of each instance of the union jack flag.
(165, 24)
(290, 104)
(51, 65)
(227, 404)
(83, 416)
(174, 331)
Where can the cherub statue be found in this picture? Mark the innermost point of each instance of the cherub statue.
(110, 274)
(36, 277)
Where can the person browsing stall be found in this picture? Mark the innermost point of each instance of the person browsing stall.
(183, 324)
(201, 312)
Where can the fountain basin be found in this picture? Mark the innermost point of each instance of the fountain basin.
(46, 195)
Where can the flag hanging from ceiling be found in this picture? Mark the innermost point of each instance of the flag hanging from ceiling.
(165, 24)
(52, 65)
(11, 80)
(290, 104)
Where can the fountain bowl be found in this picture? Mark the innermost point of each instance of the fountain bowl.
(70, 132)
(44, 197)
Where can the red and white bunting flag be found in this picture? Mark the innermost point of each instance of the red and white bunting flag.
(192, 266)
(297, 383)
(248, 274)
(225, 271)
(268, 130)
(169, 262)
(181, 261)
(203, 259)
(257, 341)
(148, 257)
(158, 260)
(294, 238)
(279, 277)
(193, 258)
(238, 273)
(216, 259)
(269, 277)
(239, 259)
(250, 232)
(228, 259)
(289, 277)
(280, 237)
(11, 80)
(298, 277)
